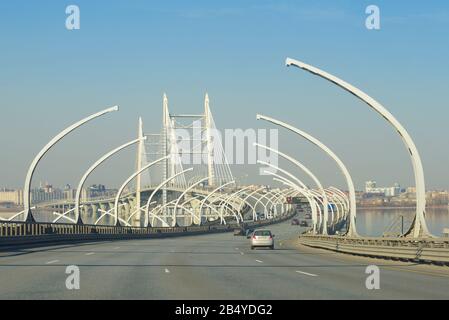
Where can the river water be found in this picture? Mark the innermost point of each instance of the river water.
(374, 221)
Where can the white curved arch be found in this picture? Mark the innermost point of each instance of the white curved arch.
(304, 189)
(343, 196)
(147, 213)
(335, 200)
(352, 231)
(86, 175)
(251, 195)
(419, 226)
(267, 197)
(325, 217)
(231, 197)
(305, 193)
(276, 202)
(29, 177)
(183, 194)
(306, 170)
(210, 195)
(341, 200)
(317, 196)
(135, 174)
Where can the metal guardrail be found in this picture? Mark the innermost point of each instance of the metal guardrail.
(12, 233)
(429, 250)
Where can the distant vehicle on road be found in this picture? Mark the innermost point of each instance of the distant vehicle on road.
(295, 222)
(260, 215)
(249, 233)
(238, 232)
(303, 224)
(262, 238)
(308, 216)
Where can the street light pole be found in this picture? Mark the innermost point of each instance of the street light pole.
(29, 177)
(419, 226)
(352, 216)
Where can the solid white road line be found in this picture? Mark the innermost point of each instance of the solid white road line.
(259, 261)
(167, 271)
(52, 261)
(90, 253)
(307, 274)
(116, 248)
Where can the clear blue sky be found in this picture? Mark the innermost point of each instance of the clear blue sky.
(130, 52)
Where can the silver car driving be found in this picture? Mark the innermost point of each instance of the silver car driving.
(262, 238)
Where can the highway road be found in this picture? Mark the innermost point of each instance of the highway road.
(218, 266)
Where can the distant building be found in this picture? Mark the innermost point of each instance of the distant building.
(11, 197)
(372, 189)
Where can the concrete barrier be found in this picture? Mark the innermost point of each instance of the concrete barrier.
(428, 250)
(38, 234)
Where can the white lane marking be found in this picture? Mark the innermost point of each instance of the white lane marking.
(241, 253)
(259, 261)
(167, 271)
(116, 248)
(90, 253)
(307, 274)
(52, 261)
(236, 248)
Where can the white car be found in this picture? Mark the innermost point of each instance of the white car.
(262, 238)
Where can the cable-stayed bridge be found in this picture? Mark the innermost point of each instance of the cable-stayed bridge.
(183, 183)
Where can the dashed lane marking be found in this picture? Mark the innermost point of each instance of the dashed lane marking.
(307, 274)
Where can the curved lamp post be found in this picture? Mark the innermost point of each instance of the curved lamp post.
(120, 191)
(419, 226)
(265, 196)
(306, 170)
(341, 201)
(352, 215)
(182, 196)
(303, 186)
(251, 195)
(78, 218)
(147, 213)
(313, 205)
(210, 195)
(335, 200)
(342, 195)
(277, 201)
(303, 189)
(29, 177)
(229, 199)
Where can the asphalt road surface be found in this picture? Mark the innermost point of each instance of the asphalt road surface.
(218, 266)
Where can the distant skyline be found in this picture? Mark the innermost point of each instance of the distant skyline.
(130, 53)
